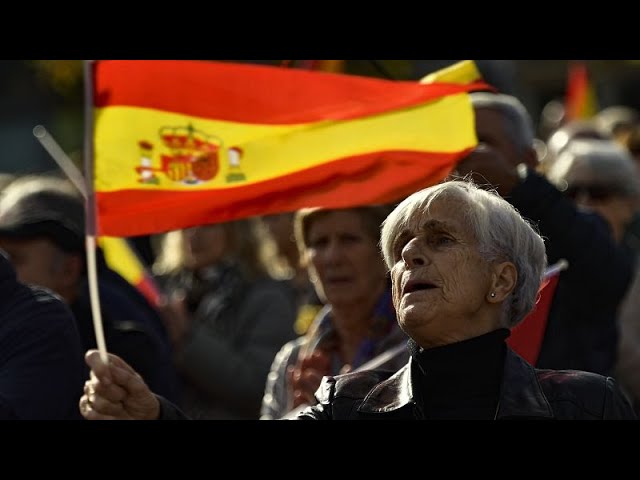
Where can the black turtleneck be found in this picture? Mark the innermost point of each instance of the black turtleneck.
(461, 380)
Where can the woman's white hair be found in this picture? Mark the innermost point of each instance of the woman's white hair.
(502, 235)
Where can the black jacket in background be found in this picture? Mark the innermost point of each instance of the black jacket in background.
(42, 369)
(581, 330)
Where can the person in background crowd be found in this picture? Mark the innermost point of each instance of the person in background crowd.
(618, 121)
(280, 253)
(226, 317)
(42, 229)
(581, 330)
(41, 367)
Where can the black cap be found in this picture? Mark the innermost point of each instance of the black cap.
(55, 214)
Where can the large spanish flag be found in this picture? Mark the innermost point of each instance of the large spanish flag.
(183, 143)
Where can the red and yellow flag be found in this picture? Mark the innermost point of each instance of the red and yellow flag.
(183, 143)
(120, 257)
(580, 102)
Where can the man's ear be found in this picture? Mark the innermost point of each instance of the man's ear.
(503, 281)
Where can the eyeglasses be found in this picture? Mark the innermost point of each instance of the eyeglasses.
(594, 192)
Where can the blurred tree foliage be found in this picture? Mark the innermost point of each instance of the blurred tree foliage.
(64, 76)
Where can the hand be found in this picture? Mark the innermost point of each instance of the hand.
(116, 392)
(486, 165)
(305, 377)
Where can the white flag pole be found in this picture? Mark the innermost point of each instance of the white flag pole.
(90, 211)
(61, 158)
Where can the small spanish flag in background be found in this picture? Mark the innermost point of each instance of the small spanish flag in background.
(580, 102)
(183, 143)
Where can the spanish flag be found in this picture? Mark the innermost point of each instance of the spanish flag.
(183, 143)
(121, 257)
(580, 101)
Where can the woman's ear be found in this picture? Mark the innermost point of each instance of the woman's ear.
(503, 281)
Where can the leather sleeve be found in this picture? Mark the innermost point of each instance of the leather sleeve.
(616, 404)
(323, 409)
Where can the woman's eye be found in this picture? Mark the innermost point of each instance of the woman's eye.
(441, 240)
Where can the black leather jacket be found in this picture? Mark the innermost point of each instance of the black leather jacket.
(526, 393)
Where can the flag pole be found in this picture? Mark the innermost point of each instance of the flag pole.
(61, 158)
(75, 176)
(90, 211)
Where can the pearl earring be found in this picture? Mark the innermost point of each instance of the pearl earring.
(493, 294)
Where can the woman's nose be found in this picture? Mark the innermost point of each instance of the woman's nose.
(412, 255)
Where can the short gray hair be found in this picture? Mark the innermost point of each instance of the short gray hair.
(502, 234)
(609, 163)
(518, 118)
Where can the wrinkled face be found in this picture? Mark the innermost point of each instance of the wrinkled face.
(36, 260)
(345, 259)
(440, 281)
(205, 245)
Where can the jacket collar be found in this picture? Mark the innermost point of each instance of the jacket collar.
(521, 395)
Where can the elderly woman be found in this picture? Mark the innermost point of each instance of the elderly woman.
(465, 268)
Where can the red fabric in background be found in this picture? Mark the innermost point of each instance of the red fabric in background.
(526, 338)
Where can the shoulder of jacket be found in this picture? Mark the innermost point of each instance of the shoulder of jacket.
(572, 385)
(354, 386)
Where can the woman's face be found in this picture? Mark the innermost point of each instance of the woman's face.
(345, 259)
(205, 245)
(440, 281)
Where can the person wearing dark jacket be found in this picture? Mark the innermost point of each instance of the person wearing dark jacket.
(581, 330)
(41, 366)
(465, 269)
(42, 230)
